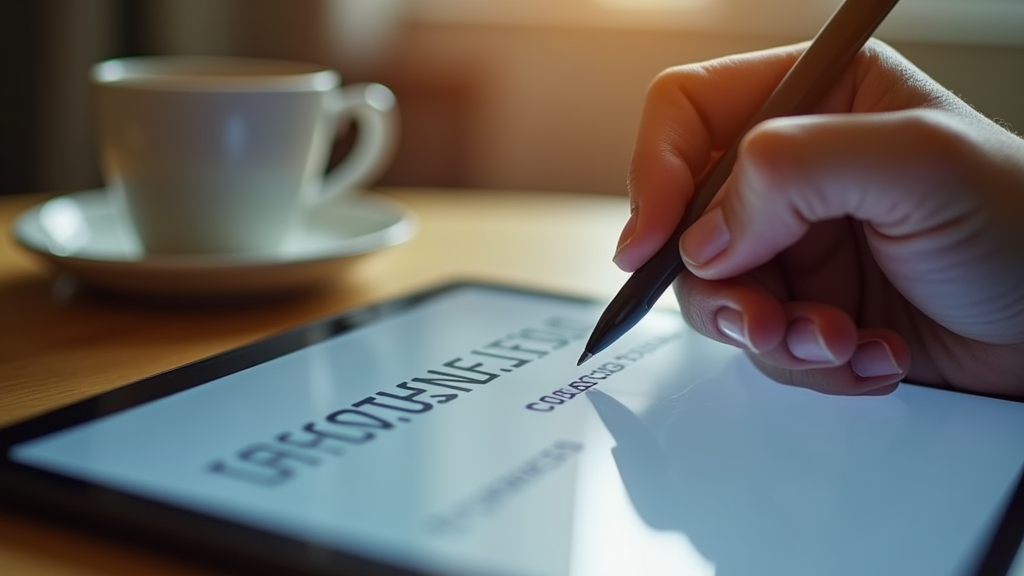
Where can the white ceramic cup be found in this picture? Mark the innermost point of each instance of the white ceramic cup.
(224, 155)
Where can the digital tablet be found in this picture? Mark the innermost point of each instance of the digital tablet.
(452, 433)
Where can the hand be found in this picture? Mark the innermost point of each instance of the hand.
(880, 239)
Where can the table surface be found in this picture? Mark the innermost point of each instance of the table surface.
(60, 343)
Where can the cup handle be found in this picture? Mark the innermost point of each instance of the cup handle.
(373, 108)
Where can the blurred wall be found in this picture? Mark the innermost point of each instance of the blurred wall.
(557, 108)
(483, 104)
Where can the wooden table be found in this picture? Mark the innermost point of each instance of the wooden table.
(60, 344)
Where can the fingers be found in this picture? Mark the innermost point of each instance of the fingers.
(735, 311)
(878, 362)
(806, 344)
(896, 203)
(694, 112)
(690, 113)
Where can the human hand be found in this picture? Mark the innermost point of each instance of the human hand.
(880, 239)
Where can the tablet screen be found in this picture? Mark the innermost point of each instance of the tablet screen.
(459, 437)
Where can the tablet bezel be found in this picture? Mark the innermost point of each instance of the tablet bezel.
(207, 539)
(35, 492)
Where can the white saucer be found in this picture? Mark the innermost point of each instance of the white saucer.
(85, 234)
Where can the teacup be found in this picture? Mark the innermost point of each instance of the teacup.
(224, 155)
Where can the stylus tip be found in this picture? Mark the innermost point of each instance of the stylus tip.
(586, 356)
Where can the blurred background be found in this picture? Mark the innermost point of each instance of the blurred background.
(526, 94)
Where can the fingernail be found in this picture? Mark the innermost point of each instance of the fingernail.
(874, 358)
(732, 323)
(627, 234)
(706, 239)
(805, 342)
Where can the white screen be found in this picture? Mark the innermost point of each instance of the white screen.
(460, 437)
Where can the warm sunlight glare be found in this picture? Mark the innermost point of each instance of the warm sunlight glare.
(654, 4)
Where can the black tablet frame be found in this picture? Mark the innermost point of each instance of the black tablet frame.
(236, 547)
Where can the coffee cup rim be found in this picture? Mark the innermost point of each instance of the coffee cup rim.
(213, 73)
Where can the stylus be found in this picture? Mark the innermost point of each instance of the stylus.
(804, 85)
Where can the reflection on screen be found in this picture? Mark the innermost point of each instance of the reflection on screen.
(460, 437)
(1018, 564)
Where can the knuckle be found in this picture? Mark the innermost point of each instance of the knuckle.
(940, 142)
(663, 85)
(670, 85)
(933, 129)
(764, 155)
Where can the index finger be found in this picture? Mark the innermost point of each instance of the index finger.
(690, 113)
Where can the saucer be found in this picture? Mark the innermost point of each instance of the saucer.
(87, 235)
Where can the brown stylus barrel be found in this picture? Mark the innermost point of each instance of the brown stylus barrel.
(813, 74)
